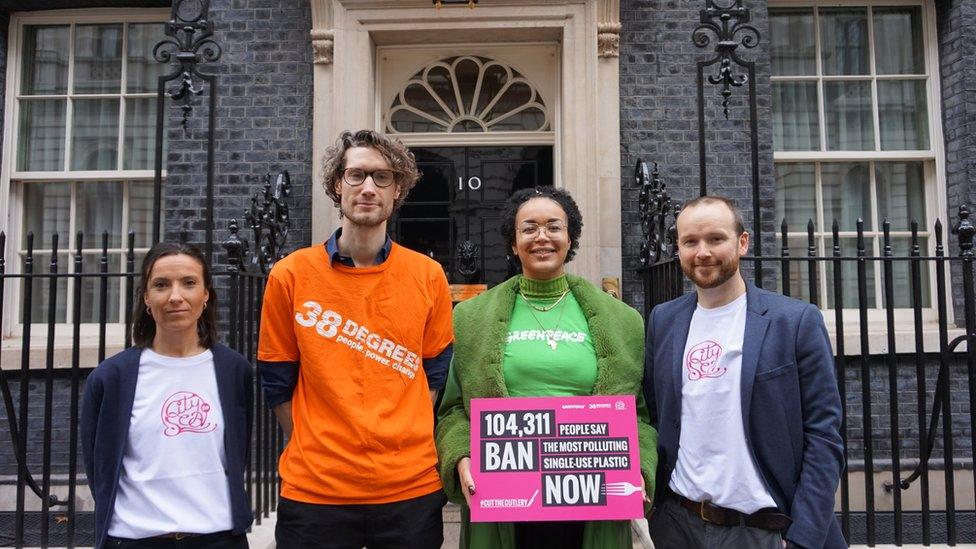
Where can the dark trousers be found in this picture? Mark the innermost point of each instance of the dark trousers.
(538, 535)
(413, 523)
(674, 527)
(217, 540)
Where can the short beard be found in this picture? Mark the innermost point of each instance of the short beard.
(366, 220)
(725, 272)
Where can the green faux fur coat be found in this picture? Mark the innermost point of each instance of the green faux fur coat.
(480, 330)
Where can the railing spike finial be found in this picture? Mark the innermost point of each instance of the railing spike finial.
(965, 230)
(236, 247)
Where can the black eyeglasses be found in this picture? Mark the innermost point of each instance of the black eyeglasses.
(355, 177)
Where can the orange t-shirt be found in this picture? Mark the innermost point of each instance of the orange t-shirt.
(363, 419)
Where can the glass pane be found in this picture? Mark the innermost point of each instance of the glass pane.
(45, 60)
(91, 289)
(418, 97)
(796, 196)
(792, 42)
(100, 209)
(796, 124)
(530, 119)
(141, 212)
(847, 110)
(901, 193)
(848, 274)
(466, 72)
(517, 95)
(901, 273)
(846, 190)
(439, 79)
(95, 134)
(47, 210)
(40, 142)
(140, 134)
(903, 114)
(799, 270)
(408, 122)
(40, 291)
(141, 70)
(898, 46)
(844, 40)
(98, 59)
(491, 84)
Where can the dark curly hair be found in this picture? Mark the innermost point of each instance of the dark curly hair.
(396, 153)
(143, 325)
(574, 219)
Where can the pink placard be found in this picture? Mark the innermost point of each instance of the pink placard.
(555, 458)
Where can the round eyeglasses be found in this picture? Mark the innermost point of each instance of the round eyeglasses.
(531, 230)
(355, 177)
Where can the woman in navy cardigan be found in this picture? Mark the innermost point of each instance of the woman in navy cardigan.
(165, 424)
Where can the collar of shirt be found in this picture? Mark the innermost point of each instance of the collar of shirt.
(332, 250)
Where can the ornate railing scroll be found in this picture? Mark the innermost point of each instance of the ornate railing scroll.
(189, 44)
(269, 221)
(729, 22)
(656, 207)
(658, 268)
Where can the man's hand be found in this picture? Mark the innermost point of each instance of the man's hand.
(283, 413)
(433, 397)
(464, 479)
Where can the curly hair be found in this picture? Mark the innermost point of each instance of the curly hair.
(574, 218)
(395, 152)
(143, 325)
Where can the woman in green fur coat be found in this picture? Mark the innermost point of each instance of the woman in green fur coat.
(541, 333)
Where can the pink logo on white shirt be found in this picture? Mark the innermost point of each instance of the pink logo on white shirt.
(186, 412)
(702, 361)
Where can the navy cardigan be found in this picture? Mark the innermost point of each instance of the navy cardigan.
(106, 410)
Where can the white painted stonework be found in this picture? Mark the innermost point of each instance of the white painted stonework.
(363, 48)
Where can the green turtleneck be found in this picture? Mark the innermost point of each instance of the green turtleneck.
(531, 366)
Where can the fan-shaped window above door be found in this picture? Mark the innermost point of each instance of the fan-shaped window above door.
(467, 94)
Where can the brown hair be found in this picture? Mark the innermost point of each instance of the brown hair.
(396, 153)
(714, 199)
(143, 324)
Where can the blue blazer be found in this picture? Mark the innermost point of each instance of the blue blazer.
(106, 410)
(791, 408)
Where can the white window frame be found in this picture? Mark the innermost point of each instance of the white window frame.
(11, 180)
(934, 169)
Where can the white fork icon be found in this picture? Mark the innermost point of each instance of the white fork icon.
(619, 489)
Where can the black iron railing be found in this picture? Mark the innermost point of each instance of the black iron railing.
(893, 413)
(47, 467)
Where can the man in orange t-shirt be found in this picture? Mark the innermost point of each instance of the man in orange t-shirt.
(355, 342)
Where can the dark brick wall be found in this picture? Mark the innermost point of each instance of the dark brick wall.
(659, 118)
(61, 424)
(956, 22)
(264, 121)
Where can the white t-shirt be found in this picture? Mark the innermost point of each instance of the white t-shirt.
(173, 471)
(714, 463)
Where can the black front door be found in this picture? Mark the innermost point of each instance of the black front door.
(452, 214)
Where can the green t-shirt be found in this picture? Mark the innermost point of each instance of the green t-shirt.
(548, 352)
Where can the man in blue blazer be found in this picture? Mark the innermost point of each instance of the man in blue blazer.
(741, 381)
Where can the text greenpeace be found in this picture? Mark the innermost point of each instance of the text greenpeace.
(545, 335)
(348, 332)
